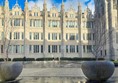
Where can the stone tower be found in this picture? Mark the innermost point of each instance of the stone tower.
(107, 11)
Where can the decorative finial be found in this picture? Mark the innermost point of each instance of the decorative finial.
(62, 1)
(44, 1)
(26, 1)
(16, 1)
(35, 5)
(79, 4)
(6, 0)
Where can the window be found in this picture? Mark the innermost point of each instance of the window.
(48, 36)
(49, 51)
(59, 36)
(2, 22)
(23, 22)
(36, 36)
(41, 48)
(72, 36)
(35, 13)
(1, 48)
(31, 21)
(36, 23)
(22, 48)
(54, 36)
(77, 36)
(66, 36)
(72, 49)
(59, 48)
(16, 13)
(89, 36)
(54, 48)
(71, 24)
(30, 35)
(11, 23)
(16, 48)
(53, 14)
(49, 23)
(36, 48)
(16, 22)
(84, 48)
(10, 49)
(41, 36)
(77, 48)
(89, 48)
(93, 36)
(16, 35)
(53, 23)
(88, 24)
(84, 36)
(117, 37)
(10, 35)
(67, 48)
(2, 35)
(30, 48)
(22, 35)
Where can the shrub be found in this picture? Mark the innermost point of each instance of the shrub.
(23, 59)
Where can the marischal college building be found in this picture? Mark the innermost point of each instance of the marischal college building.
(41, 33)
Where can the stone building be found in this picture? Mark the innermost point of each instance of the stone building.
(42, 33)
(108, 11)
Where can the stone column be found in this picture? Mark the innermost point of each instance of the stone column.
(45, 34)
(111, 47)
(79, 31)
(62, 30)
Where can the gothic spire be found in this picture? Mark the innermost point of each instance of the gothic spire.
(6, 4)
(16, 1)
(62, 5)
(44, 1)
(79, 6)
(26, 5)
(26, 1)
(45, 5)
(6, 0)
(62, 2)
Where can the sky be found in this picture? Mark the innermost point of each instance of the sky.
(50, 3)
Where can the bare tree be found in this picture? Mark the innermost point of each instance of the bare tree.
(101, 37)
(6, 39)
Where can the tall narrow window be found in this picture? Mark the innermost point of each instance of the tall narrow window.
(66, 48)
(41, 48)
(10, 35)
(72, 49)
(2, 22)
(49, 49)
(48, 36)
(22, 35)
(54, 48)
(30, 48)
(30, 35)
(77, 48)
(1, 48)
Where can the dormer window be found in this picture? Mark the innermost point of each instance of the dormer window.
(35, 13)
(71, 15)
(16, 13)
(53, 14)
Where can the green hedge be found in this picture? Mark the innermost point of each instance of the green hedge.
(80, 59)
(1, 59)
(46, 59)
(68, 59)
(23, 59)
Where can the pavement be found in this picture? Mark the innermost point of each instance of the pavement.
(72, 72)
